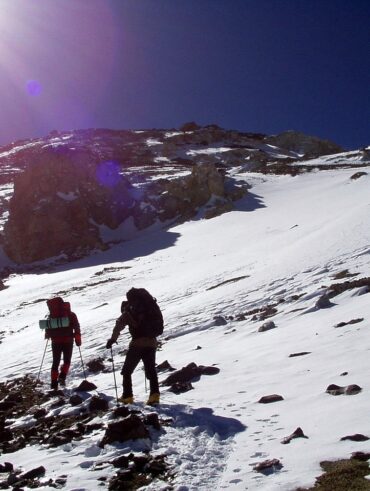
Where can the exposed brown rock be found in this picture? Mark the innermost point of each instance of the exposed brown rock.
(310, 146)
(336, 390)
(268, 466)
(85, 386)
(298, 433)
(96, 365)
(189, 373)
(271, 398)
(129, 428)
(357, 437)
(267, 326)
(301, 353)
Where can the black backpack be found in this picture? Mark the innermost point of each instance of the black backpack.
(145, 310)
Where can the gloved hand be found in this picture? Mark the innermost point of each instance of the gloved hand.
(78, 339)
(110, 343)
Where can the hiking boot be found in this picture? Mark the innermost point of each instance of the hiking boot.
(126, 400)
(54, 384)
(62, 379)
(153, 399)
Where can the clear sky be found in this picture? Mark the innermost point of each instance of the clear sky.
(253, 65)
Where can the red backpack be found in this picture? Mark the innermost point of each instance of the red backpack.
(58, 308)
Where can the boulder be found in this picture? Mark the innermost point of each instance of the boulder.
(189, 373)
(180, 387)
(129, 428)
(267, 326)
(309, 146)
(98, 404)
(75, 400)
(96, 365)
(85, 386)
(271, 398)
(357, 437)
(268, 466)
(61, 202)
(298, 433)
(34, 473)
(324, 302)
(336, 390)
(6, 467)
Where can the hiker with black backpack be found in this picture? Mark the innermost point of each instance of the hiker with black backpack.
(62, 327)
(144, 319)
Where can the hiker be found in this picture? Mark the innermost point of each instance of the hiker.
(145, 322)
(62, 338)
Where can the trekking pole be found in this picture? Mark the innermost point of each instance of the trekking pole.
(42, 361)
(114, 374)
(82, 362)
(146, 388)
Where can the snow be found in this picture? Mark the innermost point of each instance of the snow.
(282, 245)
(207, 151)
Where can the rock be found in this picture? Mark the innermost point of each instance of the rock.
(180, 387)
(122, 461)
(302, 353)
(218, 320)
(310, 146)
(74, 193)
(189, 373)
(209, 370)
(357, 437)
(152, 419)
(85, 386)
(267, 326)
(6, 467)
(191, 126)
(343, 374)
(34, 473)
(324, 302)
(336, 390)
(95, 365)
(140, 461)
(353, 321)
(268, 466)
(6, 435)
(157, 465)
(129, 428)
(352, 389)
(357, 175)
(121, 412)
(363, 456)
(298, 433)
(271, 398)
(98, 404)
(75, 400)
(40, 413)
(164, 366)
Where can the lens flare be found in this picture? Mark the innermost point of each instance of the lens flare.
(108, 173)
(34, 88)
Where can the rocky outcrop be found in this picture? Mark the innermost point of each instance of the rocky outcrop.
(63, 199)
(309, 146)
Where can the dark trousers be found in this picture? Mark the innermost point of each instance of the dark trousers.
(58, 350)
(133, 357)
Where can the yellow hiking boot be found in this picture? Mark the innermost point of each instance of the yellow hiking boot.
(153, 399)
(126, 400)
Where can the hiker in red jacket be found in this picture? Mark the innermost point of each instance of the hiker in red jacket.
(62, 338)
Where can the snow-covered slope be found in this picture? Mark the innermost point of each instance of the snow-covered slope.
(282, 247)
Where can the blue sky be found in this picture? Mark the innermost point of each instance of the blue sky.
(262, 65)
